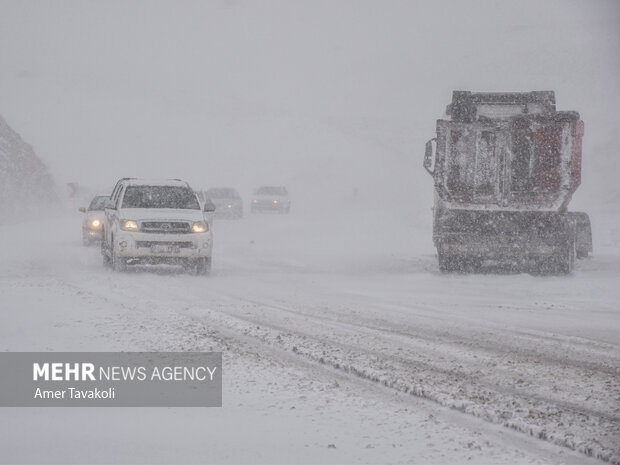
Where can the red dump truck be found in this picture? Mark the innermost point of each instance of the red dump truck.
(505, 166)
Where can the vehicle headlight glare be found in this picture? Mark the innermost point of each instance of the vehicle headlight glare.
(254, 201)
(276, 202)
(95, 224)
(129, 225)
(200, 227)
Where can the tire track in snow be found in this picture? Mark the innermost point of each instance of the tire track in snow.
(548, 347)
(506, 353)
(379, 356)
(369, 348)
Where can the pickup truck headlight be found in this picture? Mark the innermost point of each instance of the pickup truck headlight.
(95, 223)
(129, 225)
(200, 227)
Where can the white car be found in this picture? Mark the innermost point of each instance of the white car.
(152, 222)
(93, 220)
(271, 198)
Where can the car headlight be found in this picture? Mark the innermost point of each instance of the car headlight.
(95, 223)
(276, 202)
(229, 205)
(255, 201)
(129, 225)
(200, 227)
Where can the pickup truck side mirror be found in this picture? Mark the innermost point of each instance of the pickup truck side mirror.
(429, 164)
(82, 209)
(209, 206)
(109, 204)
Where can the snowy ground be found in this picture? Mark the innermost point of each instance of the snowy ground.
(342, 343)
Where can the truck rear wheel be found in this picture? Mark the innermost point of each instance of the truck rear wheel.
(561, 262)
(449, 263)
(566, 259)
(473, 264)
(563, 259)
(583, 234)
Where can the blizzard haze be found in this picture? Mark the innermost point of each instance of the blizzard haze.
(342, 341)
(321, 96)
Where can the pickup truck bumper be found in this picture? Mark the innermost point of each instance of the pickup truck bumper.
(151, 247)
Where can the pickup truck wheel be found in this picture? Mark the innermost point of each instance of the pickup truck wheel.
(118, 263)
(203, 266)
(104, 252)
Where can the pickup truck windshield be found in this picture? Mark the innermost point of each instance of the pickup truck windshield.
(160, 197)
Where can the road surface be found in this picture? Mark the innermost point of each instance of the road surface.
(341, 341)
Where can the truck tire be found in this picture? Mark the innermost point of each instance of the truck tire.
(203, 266)
(448, 263)
(583, 234)
(104, 251)
(119, 264)
(566, 263)
(473, 264)
(562, 262)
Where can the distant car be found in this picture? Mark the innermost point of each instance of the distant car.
(152, 222)
(93, 220)
(271, 198)
(227, 202)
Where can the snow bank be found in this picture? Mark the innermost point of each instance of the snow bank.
(26, 186)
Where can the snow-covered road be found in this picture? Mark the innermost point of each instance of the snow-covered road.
(341, 343)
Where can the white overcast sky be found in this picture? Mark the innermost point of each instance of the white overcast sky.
(257, 91)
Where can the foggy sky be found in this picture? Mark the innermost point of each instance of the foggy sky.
(330, 95)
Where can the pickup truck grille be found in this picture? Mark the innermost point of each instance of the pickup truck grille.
(149, 244)
(165, 227)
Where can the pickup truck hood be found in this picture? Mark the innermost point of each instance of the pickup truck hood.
(140, 214)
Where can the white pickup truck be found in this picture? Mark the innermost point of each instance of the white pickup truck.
(153, 222)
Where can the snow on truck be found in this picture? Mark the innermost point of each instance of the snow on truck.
(152, 222)
(505, 166)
